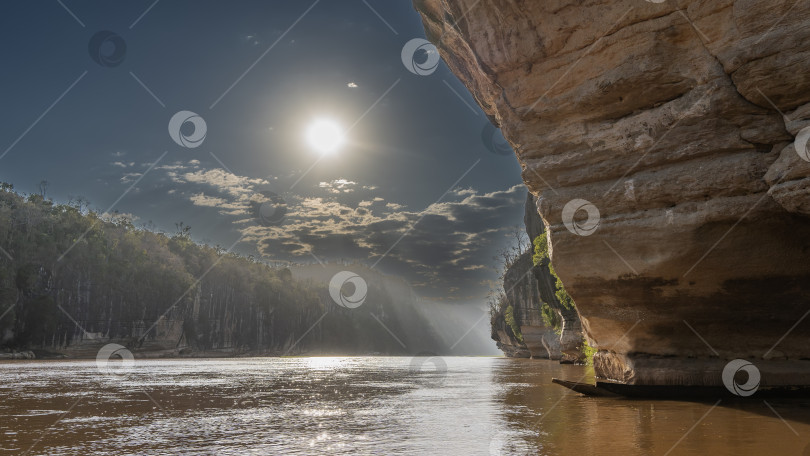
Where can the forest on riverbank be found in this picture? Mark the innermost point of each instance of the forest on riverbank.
(71, 279)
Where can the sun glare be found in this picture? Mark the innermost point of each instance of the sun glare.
(325, 136)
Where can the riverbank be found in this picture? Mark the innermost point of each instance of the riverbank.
(40, 355)
(25, 354)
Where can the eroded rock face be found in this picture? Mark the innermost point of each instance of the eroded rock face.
(521, 294)
(677, 121)
(570, 336)
(527, 287)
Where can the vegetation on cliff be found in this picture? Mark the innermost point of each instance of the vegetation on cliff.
(509, 317)
(587, 352)
(541, 258)
(531, 313)
(504, 305)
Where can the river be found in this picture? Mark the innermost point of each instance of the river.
(366, 405)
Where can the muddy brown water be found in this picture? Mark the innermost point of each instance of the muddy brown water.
(367, 405)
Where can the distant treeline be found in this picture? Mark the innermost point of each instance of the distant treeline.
(69, 277)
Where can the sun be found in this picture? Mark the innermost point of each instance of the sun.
(325, 135)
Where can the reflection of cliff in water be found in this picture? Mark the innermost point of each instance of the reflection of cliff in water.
(563, 422)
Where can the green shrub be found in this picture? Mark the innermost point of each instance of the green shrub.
(551, 318)
(540, 249)
(509, 317)
(540, 255)
(587, 352)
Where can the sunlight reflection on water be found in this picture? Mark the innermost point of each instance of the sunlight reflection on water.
(374, 405)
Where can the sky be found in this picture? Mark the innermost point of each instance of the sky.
(416, 189)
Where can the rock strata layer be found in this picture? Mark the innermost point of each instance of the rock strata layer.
(682, 123)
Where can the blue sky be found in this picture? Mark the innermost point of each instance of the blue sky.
(258, 82)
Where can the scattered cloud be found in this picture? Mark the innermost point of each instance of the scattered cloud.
(128, 178)
(200, 199)
(219, 180)
(342, 186)
(446, 250)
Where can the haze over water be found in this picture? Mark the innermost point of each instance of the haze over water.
(372, 405)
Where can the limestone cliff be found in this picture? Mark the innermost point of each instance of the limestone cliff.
(672, 123)
(535, 338)
(570, 326)
(527, 288)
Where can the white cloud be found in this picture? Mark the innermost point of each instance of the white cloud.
(207, 201)
(221, 180)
